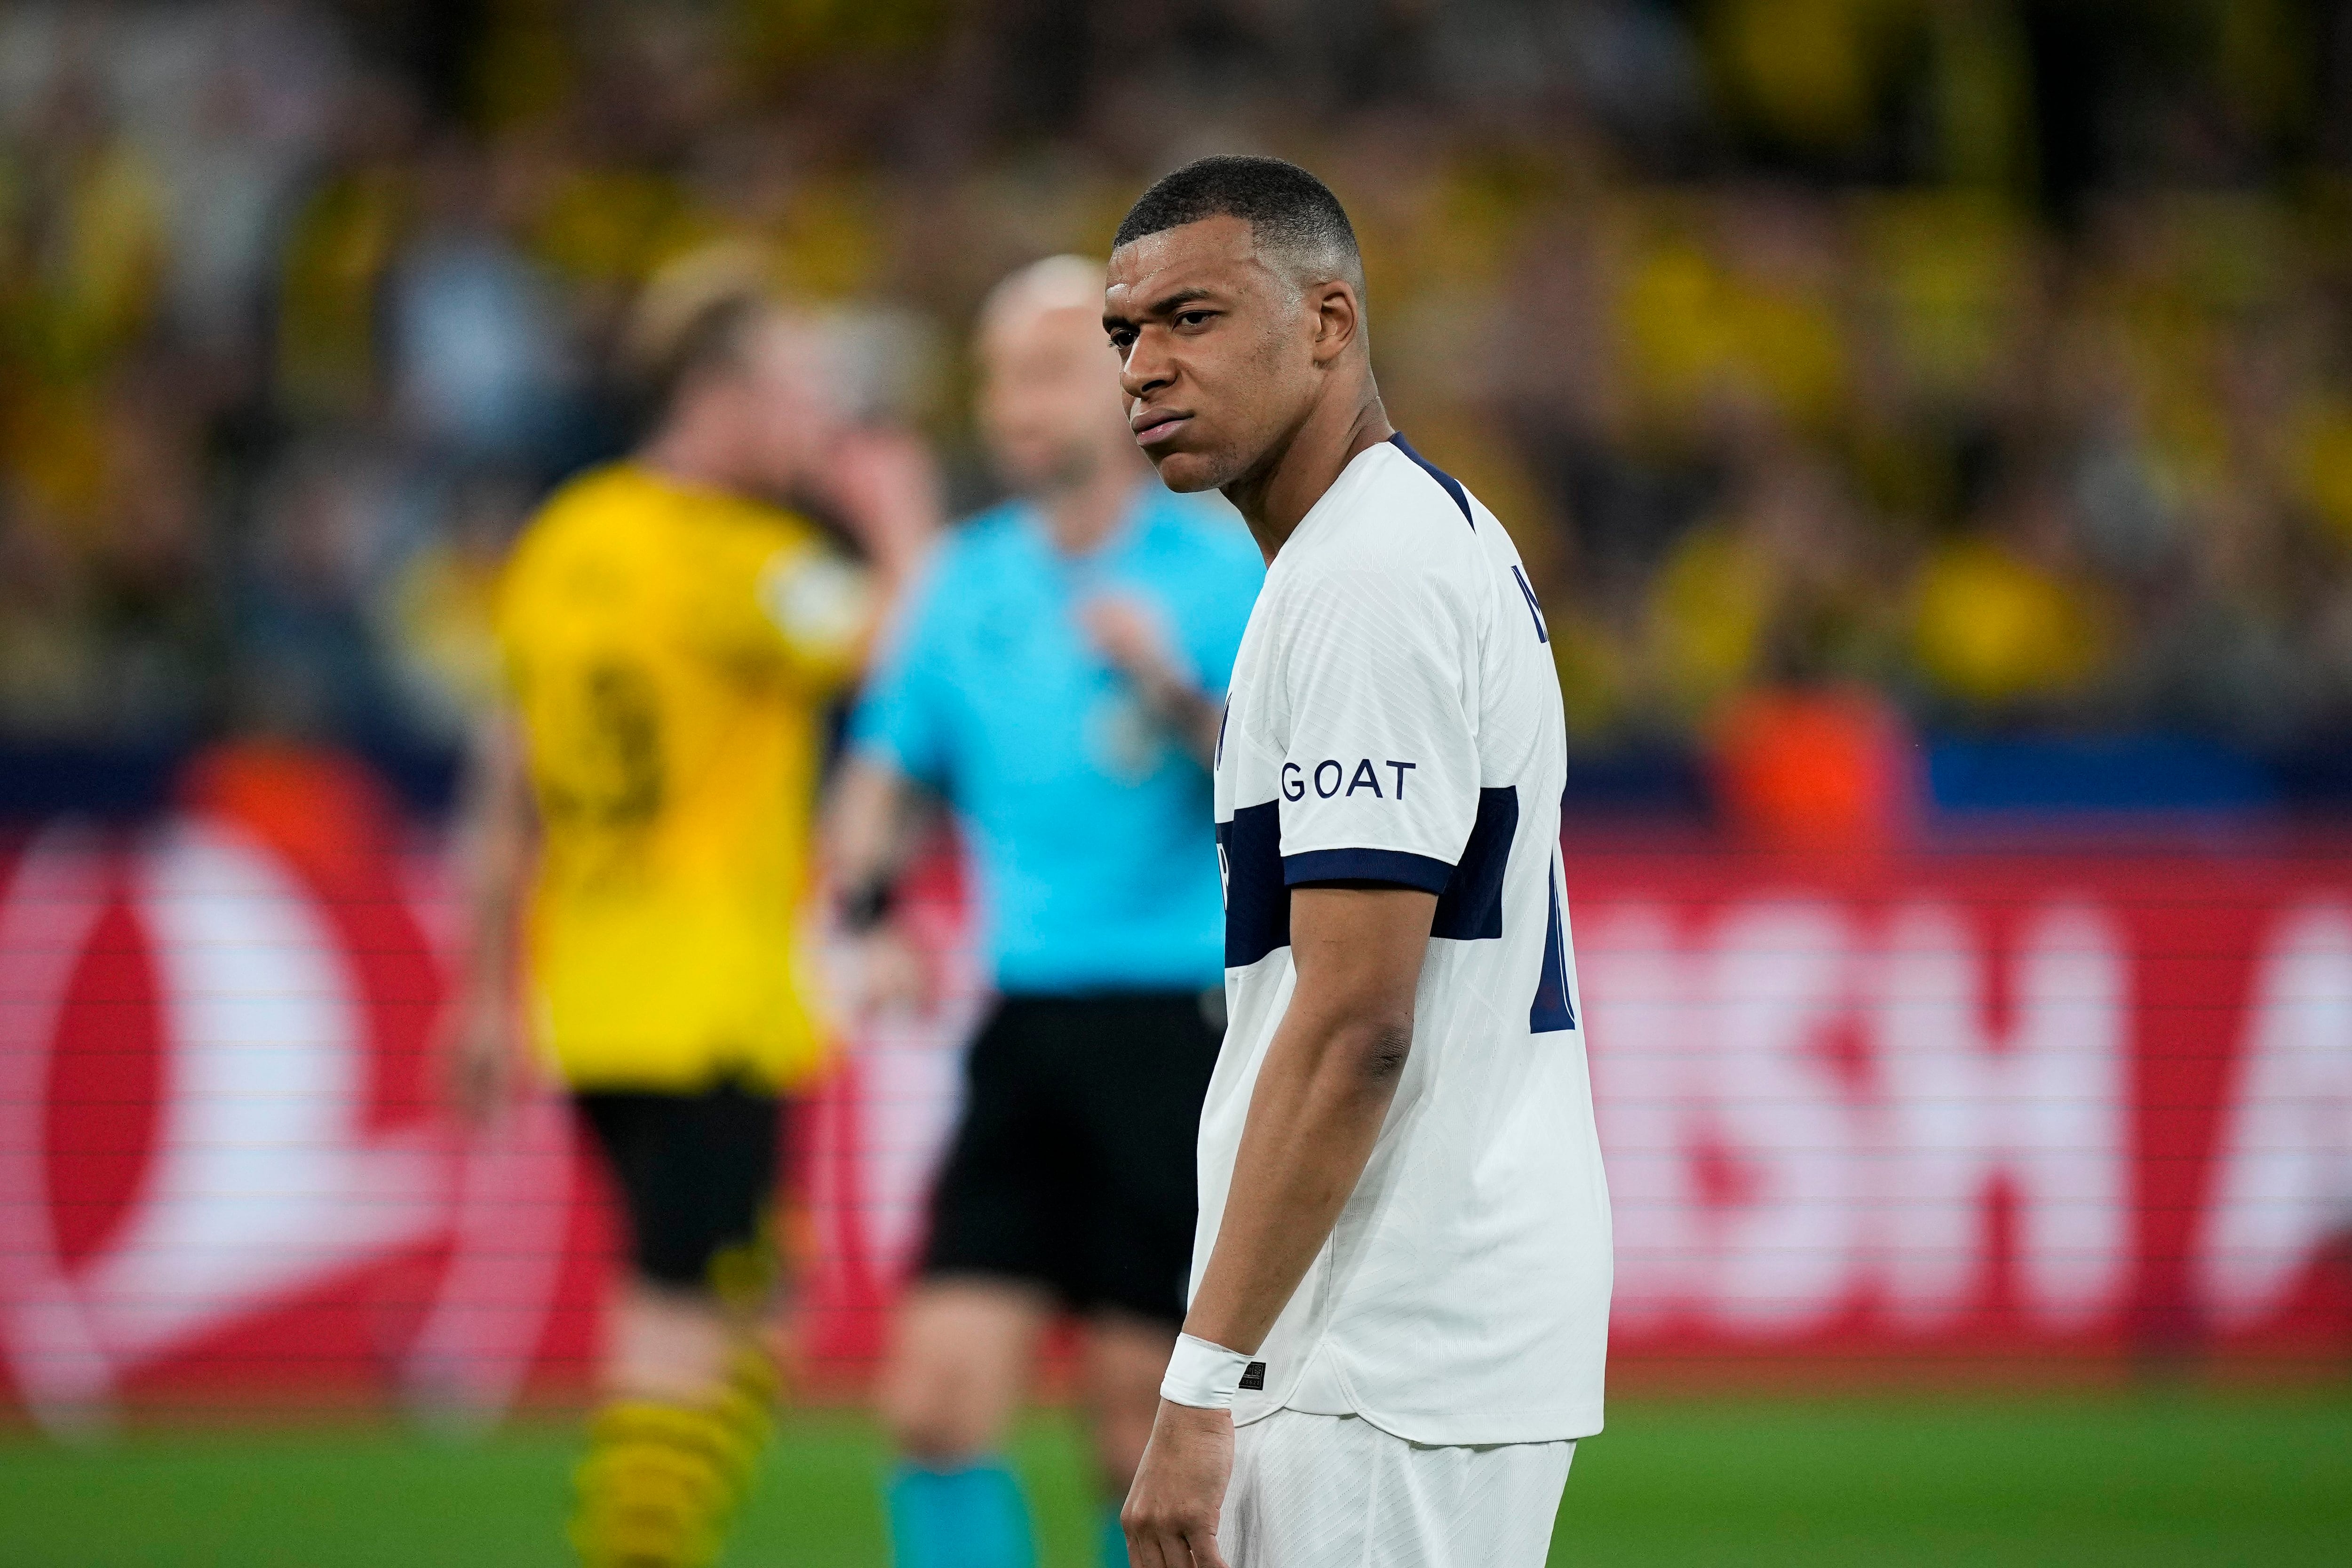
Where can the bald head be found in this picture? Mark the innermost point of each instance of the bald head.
(1049, 400)
(1055, 283)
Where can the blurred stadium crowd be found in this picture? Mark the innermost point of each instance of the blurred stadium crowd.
(1845, 367)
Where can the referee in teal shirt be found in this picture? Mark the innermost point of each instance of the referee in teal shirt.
(1057, 680)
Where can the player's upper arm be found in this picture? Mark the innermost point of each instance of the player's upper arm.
(1379, 781)
(1357, 951)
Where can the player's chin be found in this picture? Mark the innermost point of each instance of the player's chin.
(1187, 473)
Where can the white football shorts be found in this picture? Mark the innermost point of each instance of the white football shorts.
(1335, 1491)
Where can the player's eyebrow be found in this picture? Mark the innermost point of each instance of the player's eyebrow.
(1167, 305)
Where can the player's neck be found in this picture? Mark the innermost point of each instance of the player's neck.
(685, 454)
(1277, 496)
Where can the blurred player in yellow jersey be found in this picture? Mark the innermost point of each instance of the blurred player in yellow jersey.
(673, 635)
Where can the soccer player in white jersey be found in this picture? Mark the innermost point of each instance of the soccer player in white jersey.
(1400, 1290)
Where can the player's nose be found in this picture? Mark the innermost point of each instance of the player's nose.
(1146, 368)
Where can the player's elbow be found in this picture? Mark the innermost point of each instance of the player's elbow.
(1376, 1050)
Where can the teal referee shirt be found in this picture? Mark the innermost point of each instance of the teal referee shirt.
(1089, 825)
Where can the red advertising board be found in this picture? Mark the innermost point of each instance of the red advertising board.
(1985, 1108)
(1974, 1104)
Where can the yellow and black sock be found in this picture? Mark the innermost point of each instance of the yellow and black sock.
(662, 1481)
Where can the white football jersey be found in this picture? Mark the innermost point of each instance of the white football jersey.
(1395, 717)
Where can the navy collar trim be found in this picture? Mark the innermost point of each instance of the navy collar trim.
(1447, 482)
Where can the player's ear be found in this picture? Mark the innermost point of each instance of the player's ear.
(1339, 319)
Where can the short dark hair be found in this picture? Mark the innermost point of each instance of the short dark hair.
(1289, 210)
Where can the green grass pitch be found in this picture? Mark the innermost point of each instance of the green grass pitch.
(2081, 1481)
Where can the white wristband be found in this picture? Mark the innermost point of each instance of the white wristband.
(1204, 1375)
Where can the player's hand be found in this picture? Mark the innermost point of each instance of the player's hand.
(1126, 632)
(891, 972)
(888, 487)
(1179, 1494)
(1132, 635)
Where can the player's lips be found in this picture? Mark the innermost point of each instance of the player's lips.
(1156, 424)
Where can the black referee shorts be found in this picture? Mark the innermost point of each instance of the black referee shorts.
(1073, 1166)
(697, 1176)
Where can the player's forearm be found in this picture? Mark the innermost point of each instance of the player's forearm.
(491, 916)
(1320, 1098)
(494, 920)
(1321, 1094)
(495, 845)
(866, 836)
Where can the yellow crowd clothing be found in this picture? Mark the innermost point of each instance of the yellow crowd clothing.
(670, 651)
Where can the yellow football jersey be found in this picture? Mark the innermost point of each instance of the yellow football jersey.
(670, 651)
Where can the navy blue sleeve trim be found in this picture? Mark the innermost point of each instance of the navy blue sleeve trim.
(1451, 486)
(1367, 866)
(1553, 1009)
